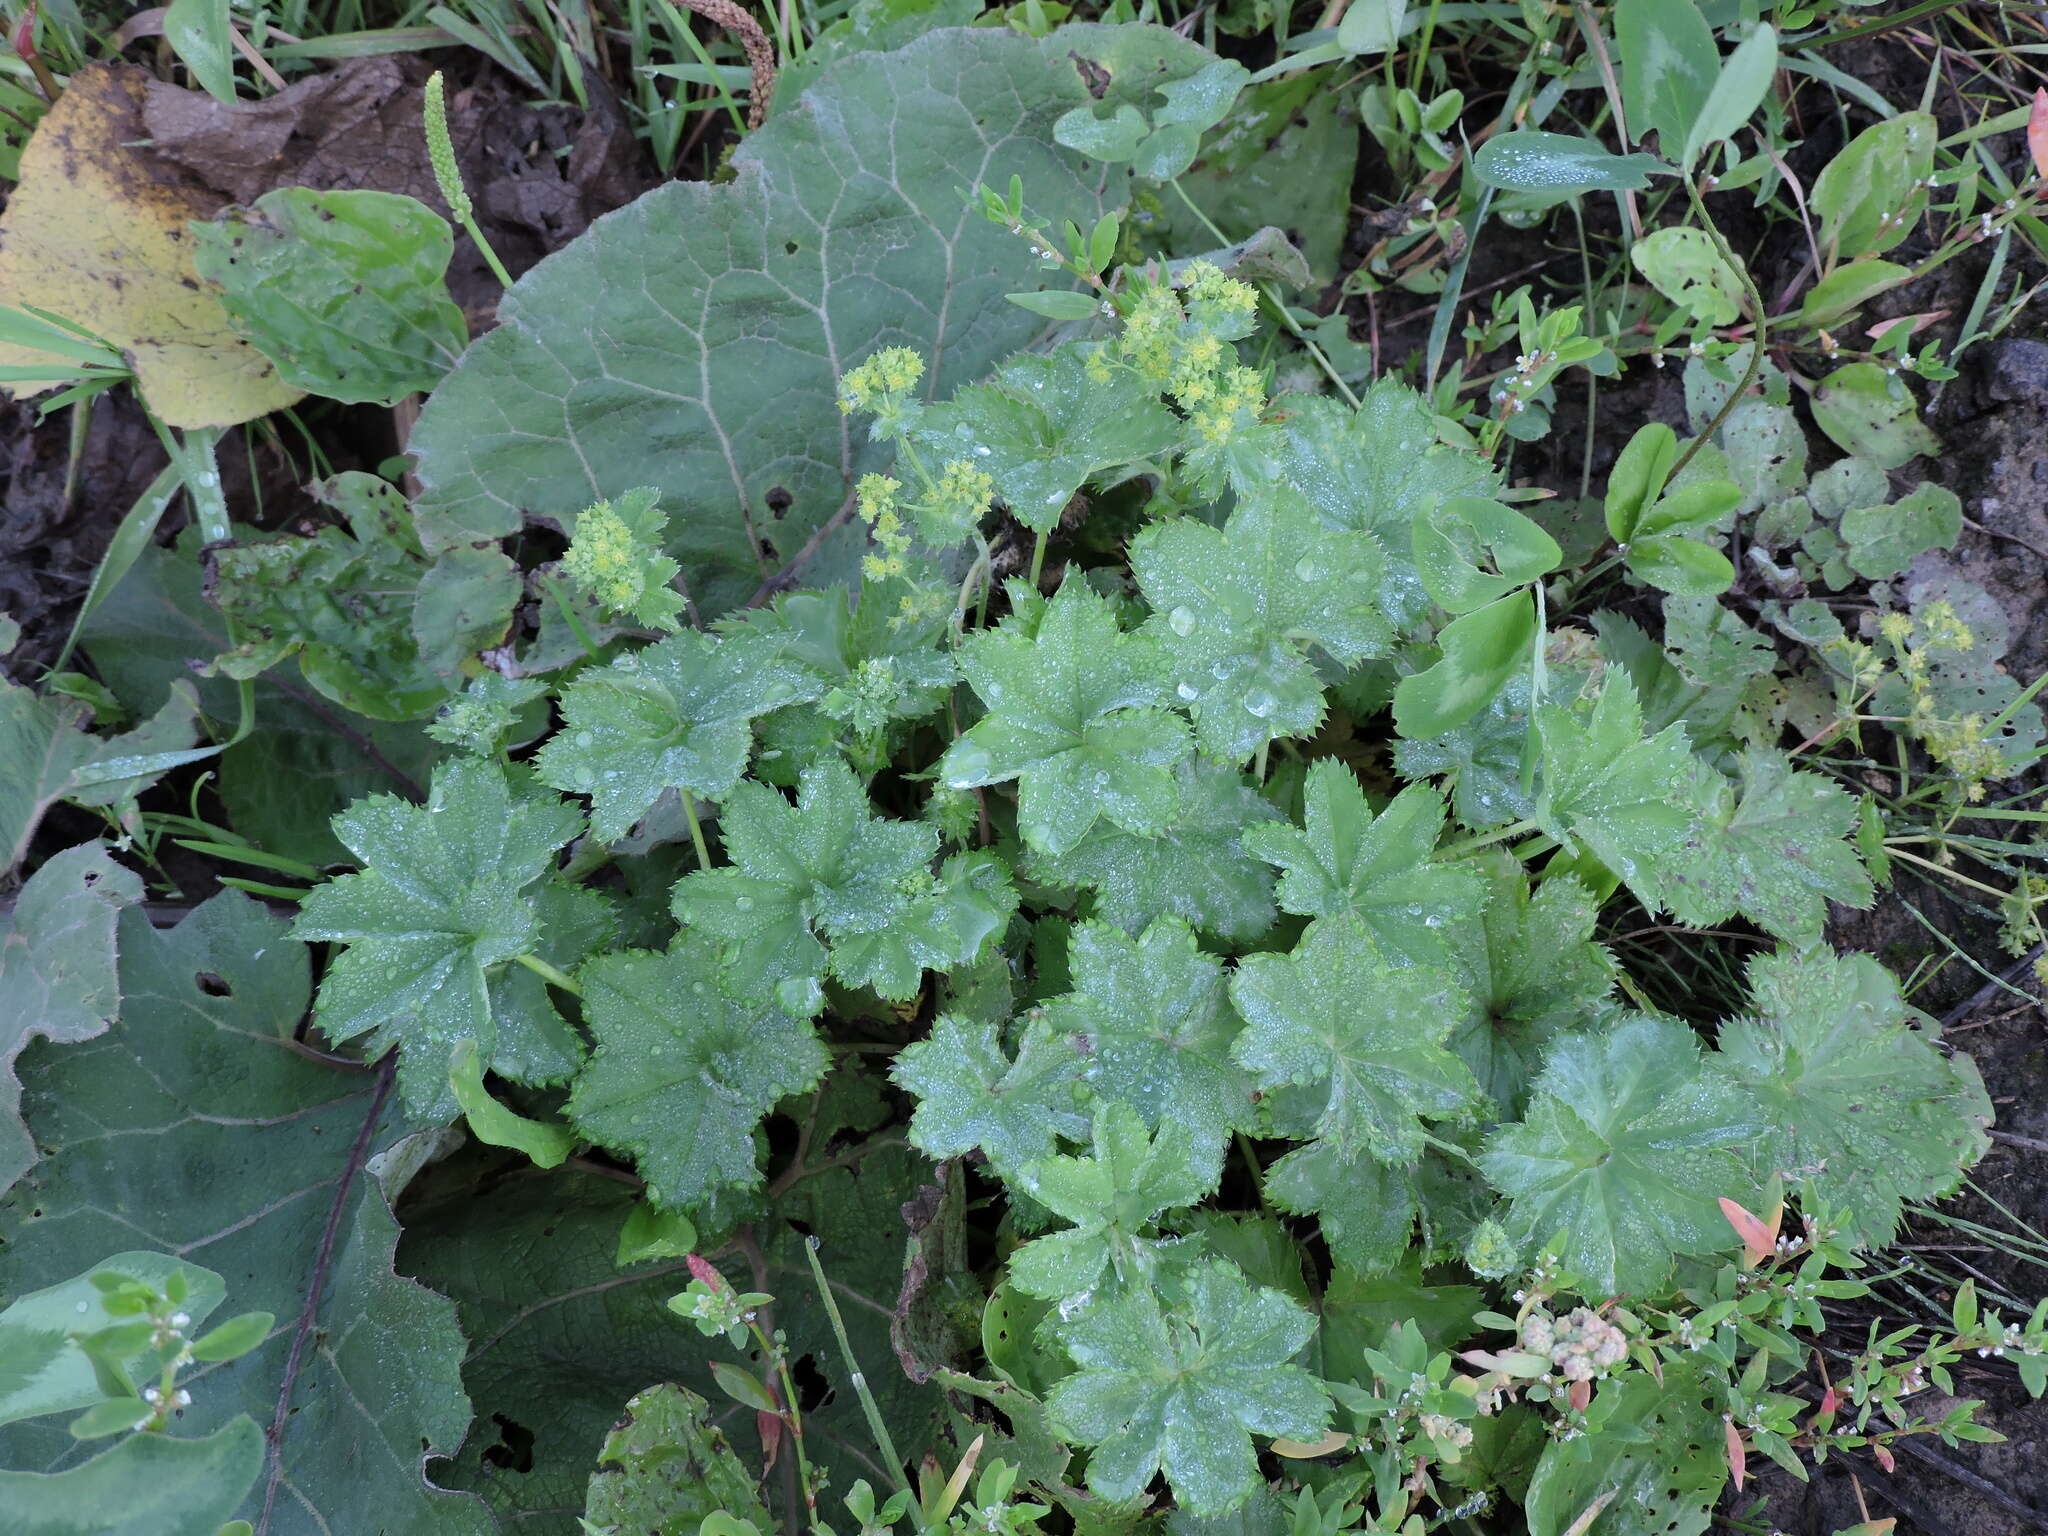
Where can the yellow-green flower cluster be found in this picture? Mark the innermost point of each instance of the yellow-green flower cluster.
(891, 371)
(921, 606)
(1216, 302)
(615, 556)
(603, 559)
(1151, 336)
(875, 500)
(1962, 745)
(1219, 405)
(954, 508)
(1181, 341)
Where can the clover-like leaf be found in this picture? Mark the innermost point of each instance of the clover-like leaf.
(689, 1059)
(1112, 1198)
(1858, 1096)
(1236, 607)
(972, 1095)
(1336, 1012)
(1148, 1015)
(450, 895)
(1195, 869)
(1041, 427)
(1624, 1152)
(826, 865)
(1076, 716)
(1345, 862)
(1777, 853)
(1609, 787)
(1662, 530)
(1182, 1383)
(672, 715)
(1532, 968)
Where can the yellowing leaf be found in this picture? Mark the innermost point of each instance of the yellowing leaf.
(96, 232)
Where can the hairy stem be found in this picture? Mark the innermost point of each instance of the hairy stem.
(1756, 340)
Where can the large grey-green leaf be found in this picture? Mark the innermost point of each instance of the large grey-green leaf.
(47, 755)
(196, 1127)
(560, 1332)
(57, 977)
(694, 340)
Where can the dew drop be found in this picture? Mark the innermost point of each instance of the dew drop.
(744, 903)
(584, 739)
(1260, 703)
(1188, 691)
(1181, 621)
(1305, 570)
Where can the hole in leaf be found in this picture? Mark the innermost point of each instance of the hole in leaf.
(813, 1391)
(213, 985)
(514, 1450)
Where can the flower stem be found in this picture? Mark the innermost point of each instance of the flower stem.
(1287, 319)
(1756, 338)
(868, 1406)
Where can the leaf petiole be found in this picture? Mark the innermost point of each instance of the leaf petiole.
(1474, 844)
(550, 974)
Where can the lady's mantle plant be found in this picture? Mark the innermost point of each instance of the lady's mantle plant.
(1116, 865)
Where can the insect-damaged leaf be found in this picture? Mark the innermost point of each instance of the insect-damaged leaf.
(694, 341)
(96, 232)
